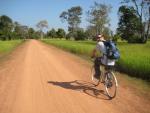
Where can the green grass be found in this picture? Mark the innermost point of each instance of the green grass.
(7, 46)
(135, 58)
(80, 47)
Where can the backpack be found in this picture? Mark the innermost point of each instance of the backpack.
(112, 51)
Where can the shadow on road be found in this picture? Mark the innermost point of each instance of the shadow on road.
(83, 86)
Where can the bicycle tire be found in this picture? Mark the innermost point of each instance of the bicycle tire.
(96, 82)
(111, 87)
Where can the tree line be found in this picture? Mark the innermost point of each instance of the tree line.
(10, 30)
(133, 25)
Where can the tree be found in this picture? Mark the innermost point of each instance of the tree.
(23, 31)
(6, 26)
(61, 33)
(107, 33)
(80, 35)
(37, 35)
(116, 37)
(31, 33)
(41, 25)
(20, 31)
(147, 21)
(91, 32)
(52, 33)
(17, 30)
(68, 36)
(129, 24)
(98, 17)
(73, 17)
(142, 8)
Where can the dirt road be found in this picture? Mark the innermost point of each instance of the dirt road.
(38, 78)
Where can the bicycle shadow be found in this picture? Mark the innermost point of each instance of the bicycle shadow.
(82, 86)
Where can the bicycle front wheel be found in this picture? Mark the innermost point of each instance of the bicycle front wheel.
(111, 84)
(96, 82)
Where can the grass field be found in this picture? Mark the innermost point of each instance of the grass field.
(135, 58)
(7, 46)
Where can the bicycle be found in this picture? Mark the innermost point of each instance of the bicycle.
(108, 79)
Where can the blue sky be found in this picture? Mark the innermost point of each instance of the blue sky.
(30, 12)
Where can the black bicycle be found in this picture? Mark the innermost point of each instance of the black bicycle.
(107, 78)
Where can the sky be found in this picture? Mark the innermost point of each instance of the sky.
(30, 12)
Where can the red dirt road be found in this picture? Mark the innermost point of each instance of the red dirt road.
(38, 78)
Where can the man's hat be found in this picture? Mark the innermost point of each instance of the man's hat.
(100, 37)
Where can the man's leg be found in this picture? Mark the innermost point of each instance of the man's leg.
(97, 67)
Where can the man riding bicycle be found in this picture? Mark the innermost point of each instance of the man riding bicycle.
(100, 47)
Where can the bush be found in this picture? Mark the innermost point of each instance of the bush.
(116, 37)
(68, 36)
(80, 35)
(134, 39)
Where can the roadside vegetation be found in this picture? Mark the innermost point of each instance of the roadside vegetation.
(7, 46)
(134, 61)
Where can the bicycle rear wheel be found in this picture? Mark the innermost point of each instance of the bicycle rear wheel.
(111, 84)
